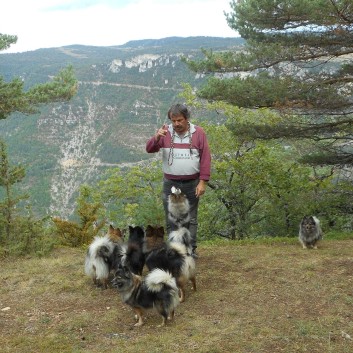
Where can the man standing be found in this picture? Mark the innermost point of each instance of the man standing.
(186, 161)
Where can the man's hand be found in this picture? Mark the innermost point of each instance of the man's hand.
(161, 132)
(201, 188)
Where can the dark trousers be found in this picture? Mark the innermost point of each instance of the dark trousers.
(188, 187)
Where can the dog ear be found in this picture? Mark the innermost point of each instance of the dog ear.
(149, 231)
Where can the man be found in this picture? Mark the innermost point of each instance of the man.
(186, 161)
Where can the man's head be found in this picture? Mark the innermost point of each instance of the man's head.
(179, 115)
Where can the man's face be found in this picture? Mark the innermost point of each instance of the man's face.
(180, 124)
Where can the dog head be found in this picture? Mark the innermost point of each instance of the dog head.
(154, 237)
(123, 278)
(176, 196)
(308, 223)
(136, 234)
(175, 191)
(115, 234)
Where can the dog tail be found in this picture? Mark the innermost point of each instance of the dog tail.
(180, 248)
(319, 230)
(181, 235)
(157, 279)
(98, 257)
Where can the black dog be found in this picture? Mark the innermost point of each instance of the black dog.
(134, 256)
(157, 290)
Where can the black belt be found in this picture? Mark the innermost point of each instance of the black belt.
(183, 181)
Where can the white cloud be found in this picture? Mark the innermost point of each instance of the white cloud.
(55, 23)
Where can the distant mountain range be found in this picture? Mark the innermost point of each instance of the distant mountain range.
(124, 94)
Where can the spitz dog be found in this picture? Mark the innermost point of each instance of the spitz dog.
(310, 232)
(172, 257)
(178, 207)
(104, 255)
(157, 290)
(134, 256)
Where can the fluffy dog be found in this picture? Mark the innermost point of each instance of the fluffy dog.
(172, 257)
(310, 232)
(178, 208)
(103, 255)
(134, 257)
(157, 290)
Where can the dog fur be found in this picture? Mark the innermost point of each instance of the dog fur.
(310, 232)
(181, 235)
(178, 208)
(103, 255)
(172, 257)
(134, 256)
(157, 290)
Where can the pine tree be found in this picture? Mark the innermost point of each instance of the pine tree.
(297, 61)
(9, 176)
(13, 98)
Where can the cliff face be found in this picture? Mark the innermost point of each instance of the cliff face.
(123, 96)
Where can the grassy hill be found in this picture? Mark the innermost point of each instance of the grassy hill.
(251, 297)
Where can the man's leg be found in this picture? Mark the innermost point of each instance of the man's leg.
(189, 189)
(167, 185)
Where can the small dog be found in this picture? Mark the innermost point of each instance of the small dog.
(157, 290)
(134, 256)
(310, 232)
(172, 257)
(178, 208)
(103, 255)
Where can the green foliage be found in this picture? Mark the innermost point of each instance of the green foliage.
(9, 176)
(6, 41)
(30, 236)
(258, 189)
(82, 232)
(14, 99)
(296, 62)
(21, 232)
(134, 195)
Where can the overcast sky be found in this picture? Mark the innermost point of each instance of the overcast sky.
(56, 23)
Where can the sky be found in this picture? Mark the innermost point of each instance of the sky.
(56, 23)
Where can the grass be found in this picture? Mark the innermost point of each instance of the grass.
(254, 297)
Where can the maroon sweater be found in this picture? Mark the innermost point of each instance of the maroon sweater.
(186, 161)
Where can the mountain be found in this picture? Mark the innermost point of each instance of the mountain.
(123, 96)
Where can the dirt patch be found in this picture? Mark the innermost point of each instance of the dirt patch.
(250, 298)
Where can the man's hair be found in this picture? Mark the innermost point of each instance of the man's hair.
(177, 110)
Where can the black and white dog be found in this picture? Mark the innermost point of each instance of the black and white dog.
(310, 232)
